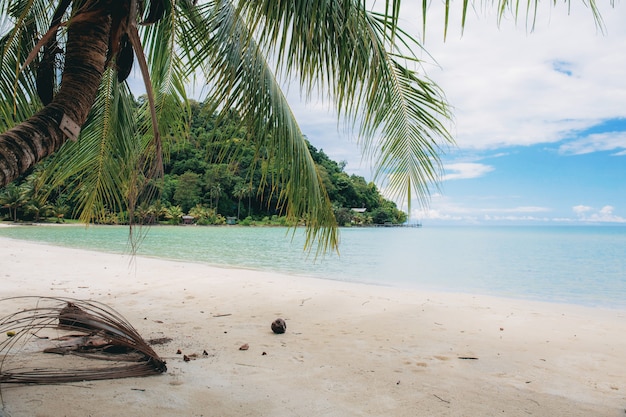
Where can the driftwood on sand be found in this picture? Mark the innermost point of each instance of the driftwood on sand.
(85, 329)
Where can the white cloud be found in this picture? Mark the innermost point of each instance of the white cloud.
(581, 210)
(521, 209)
(445, 208)
(441, 208)
(510, 87)
(432, 214)
(465, 170)
(611, 141)
(604, 215)
(516, 219)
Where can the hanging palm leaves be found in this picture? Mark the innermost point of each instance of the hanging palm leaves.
(358, 56)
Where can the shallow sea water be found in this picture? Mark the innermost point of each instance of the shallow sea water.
(583, 265)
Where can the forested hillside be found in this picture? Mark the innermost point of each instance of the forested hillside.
(199, 187)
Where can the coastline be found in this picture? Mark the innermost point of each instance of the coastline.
(349, 349)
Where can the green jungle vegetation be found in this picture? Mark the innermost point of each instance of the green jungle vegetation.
(198, 183)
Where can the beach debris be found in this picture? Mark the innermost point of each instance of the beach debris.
(10, 333)
(84, 344)
(179, 352)
(441, 399)
(245, 346)
(205, 353)
(71, 316)
(159, 341)
(186, 358)
(471, 358)
(94, 331)
(279, 326)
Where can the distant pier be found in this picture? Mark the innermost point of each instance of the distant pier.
(388, 225)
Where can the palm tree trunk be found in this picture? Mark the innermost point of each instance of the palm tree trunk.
(41, 135)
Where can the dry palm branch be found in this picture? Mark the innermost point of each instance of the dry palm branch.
(96, 331)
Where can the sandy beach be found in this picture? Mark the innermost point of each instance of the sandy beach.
(349, 349)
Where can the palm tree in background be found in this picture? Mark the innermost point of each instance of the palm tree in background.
(12, 198)
(63, 76)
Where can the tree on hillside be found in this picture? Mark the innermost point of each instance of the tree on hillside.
(187, 192)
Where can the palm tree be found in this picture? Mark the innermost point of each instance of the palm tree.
(215, 192)
(12, 198)
(144, 214)
(38, 208)
(59, 210)
(174, 214)
(240, 191)
(359, 57)
(203, 215)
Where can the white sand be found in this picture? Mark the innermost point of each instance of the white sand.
(349, 350)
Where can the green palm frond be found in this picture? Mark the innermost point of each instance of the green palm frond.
(112, 164)
(517, 9)
(363, 60)
(168, 71)
(169, 76)
(23, 19)
(100, 166)
(241, 78)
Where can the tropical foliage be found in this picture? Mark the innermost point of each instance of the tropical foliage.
(199, 181)
(358, 57)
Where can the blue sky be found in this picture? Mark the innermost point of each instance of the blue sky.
(539, 118)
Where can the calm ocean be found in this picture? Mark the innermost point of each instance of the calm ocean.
(579, 265)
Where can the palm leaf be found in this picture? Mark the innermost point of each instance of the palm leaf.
(77, 316)
(18, 87)
(99, 166)
(168, 75)
(240, 78)
(360, 58)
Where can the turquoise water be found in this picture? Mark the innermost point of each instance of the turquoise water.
(579, 265)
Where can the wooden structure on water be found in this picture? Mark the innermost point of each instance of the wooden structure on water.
(388, 225)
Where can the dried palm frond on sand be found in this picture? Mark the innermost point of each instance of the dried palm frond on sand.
(83, 329)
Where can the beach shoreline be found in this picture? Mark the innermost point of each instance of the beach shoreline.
(350, 349)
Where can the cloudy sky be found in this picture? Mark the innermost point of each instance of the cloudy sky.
(539, 117)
